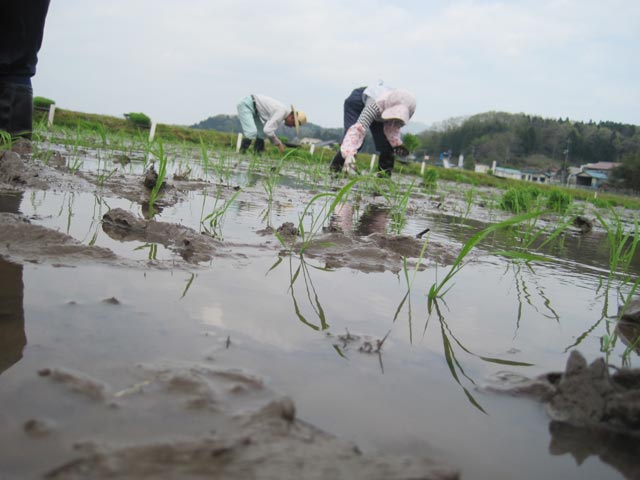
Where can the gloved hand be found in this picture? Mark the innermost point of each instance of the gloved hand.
(349, 166)
(401, 151)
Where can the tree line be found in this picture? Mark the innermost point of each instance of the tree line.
(524, 140)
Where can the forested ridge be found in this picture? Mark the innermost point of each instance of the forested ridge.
(525, 140)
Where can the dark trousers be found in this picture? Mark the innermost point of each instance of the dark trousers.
(16, 109)
(21, 32)
(353, 106)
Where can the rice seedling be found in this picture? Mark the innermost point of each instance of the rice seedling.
(103, 176)
(439, 288)
(6, 140)
(329, 201)
(311, 294)
(215, 219)
(205, 157)
(430, 178)
(453, 363)
(525, 238)
(397, 198)
(192, 277)
(271, 179)
(153, 250)
(519, 200)
(74, 164)
(159, 153)
(409, 282)
(559, 201)
(622, 244)
(524, 295)
(102, 133)
(622, 248)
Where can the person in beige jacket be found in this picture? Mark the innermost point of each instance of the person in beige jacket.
(260, 116)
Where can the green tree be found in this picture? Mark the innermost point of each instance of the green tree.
(411, 142)
(628, 172)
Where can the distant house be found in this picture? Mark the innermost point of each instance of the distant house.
(595, 175)
(481, 168)
(504, 172)
(537, 176)
(591, 179)
(527, 174)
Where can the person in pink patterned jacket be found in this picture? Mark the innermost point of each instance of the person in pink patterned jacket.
(384, 111)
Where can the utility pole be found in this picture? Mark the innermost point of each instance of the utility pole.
(565, 173)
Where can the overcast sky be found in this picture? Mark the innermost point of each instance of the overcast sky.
(183, 61)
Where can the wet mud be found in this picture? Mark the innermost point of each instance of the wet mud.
(22, 241)
(592, 411)
(200, 420)
(250, 431)
(231, 426)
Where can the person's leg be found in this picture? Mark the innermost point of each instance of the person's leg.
(16, 109)
(258, 146)
(386, 161)
(21, 32)
(246, 116)
(353, 106)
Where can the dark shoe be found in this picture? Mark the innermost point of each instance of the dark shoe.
(337, 163)
(258, 147)
(246, 142)
(385, 164)
(16, 109)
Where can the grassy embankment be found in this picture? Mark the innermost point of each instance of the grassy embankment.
(174, 133)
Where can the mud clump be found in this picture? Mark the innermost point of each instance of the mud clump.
(38, 428)
(151, 179)
(288, 229)
(192, 246)
(583, 224)
(376, 252)
(256, 435)
(12, 169)
(584, 395)
(591, 410)
(77, 383)
(629, 324)
(21, 240)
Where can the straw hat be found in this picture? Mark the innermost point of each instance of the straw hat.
(299, 118)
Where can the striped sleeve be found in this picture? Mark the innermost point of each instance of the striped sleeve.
(369, 114)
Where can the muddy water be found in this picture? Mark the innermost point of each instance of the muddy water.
(306, 334)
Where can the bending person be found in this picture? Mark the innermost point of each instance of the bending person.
(384, 111)
(260, 116)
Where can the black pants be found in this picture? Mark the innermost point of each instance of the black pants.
(353, 106)
(16, 109)
(21, 31)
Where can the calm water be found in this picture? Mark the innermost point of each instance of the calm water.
(405, 400)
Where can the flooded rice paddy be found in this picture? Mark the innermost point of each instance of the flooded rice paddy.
(347, 334)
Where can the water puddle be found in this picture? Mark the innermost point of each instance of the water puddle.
(360, 352)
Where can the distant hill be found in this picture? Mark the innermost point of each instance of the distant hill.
(522, 140)
(230, 123)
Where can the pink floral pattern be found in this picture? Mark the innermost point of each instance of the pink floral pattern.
(353, 140)
(392, 132)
